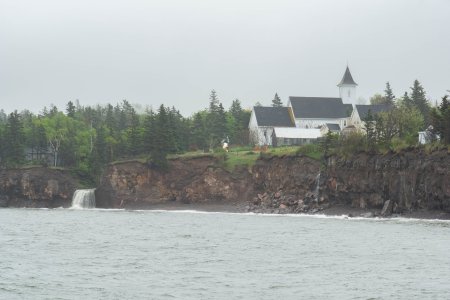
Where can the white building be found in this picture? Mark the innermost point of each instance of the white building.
(286, 136)
(263, 120)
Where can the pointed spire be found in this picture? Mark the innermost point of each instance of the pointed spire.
(347, 78)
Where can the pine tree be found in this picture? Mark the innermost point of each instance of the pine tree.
(198, 131)
(149, 131)
(14, 139)
(388, 94)
(163, 140)
(133, 134)
(216, 122)
(419, 100)
(70, 109)
(276, 102)
(440, 119)
(370, 129)
(406, 100)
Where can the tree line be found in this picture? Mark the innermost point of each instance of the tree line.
(87, 137)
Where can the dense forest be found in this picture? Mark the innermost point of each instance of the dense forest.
(85, 138)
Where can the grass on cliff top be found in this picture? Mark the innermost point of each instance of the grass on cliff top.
(242, 156)
(248, 158)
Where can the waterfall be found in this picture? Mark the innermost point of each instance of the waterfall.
(83, 199)
(316, 191)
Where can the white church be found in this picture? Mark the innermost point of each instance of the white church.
(307, 118)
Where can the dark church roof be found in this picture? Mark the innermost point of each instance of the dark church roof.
(273, 116)
(363, 110)
(319, 107)
(347, 78)
(333, 127)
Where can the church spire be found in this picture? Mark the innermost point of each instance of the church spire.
(347, 79)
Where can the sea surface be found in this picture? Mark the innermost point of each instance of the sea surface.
(116, 254)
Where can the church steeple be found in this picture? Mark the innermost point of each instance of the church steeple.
(347, 79)
(347, 88)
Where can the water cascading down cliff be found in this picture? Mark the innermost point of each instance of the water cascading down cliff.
(83, 199)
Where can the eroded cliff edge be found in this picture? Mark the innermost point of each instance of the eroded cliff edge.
(202, 180)
(402, 183)
(412, 181)
(36, 187)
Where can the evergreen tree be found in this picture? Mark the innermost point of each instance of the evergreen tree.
(14, 139)
(388, 94)
(406, 100)
(70, 109)
(163, 140)
(440, 119)
(370, 130)
(198, 130)
(149, 131)
(419, 100)
(216, 123)
(236, 110)
(276, 102)
(133, 134)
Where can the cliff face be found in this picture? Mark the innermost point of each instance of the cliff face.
(199, 180)
(411, 180)
(194, 180)
(36, 187)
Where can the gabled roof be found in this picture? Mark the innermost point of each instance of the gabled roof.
(273, 116)
(363, 110)
(319, 107)
(333, 127)
(347, 78)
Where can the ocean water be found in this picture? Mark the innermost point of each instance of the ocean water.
(114, 254)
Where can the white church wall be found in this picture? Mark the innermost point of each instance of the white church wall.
(316, 123)
(259, 135)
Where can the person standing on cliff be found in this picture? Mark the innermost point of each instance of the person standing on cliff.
(225, 144)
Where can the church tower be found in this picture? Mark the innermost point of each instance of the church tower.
(347, 88)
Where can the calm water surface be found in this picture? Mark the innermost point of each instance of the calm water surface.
(101, 254)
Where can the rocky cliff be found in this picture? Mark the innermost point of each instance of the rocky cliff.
(411, 180)
(197, 180)
(201, 180)
(36, 187)
(381, 184)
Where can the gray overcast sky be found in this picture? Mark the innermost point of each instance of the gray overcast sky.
(175, 52)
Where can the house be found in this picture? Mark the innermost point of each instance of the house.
(329, 127)
(263, 120)
(361, 112)
(286, 136)
(313, 112)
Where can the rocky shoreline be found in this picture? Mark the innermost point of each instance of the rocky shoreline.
(409, 184)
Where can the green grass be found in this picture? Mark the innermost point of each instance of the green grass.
(192, 154)
(240, 158)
